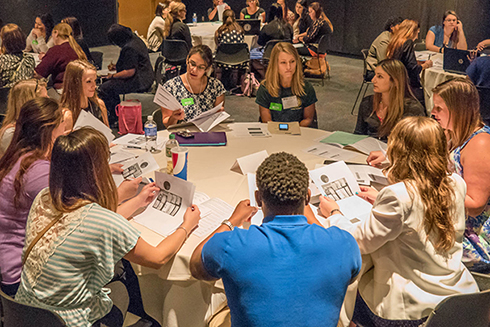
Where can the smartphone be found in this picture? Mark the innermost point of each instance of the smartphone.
(283, 127)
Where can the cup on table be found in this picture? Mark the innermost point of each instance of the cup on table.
(179, 160)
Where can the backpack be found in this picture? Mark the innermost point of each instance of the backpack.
(249, 85)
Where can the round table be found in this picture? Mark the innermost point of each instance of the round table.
(171, 290)
(203, 33)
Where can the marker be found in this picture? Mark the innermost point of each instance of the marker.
(134, 147)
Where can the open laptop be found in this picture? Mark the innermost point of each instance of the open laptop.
(250, 26)
(455, 61)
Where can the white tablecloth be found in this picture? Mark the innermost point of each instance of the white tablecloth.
(203, 33)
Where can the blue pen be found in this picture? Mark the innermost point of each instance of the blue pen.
(151, 180)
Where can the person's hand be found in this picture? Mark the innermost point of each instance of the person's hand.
(178, 114)
(41, 55)
(191, 218)
(111, 66)
(296, 40)
(327, 205)
(242, 213)
(128, 188)
(472, 55)
(376, 158)
(227, 7)
(427, 64)
(300, 39)
(482, 45)
(147, 194)
(116, 168)
(36, 32)
(459, 26)
(368, 193)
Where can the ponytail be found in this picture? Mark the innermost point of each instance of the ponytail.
(66, 33)
(76, 47)
(174, 9)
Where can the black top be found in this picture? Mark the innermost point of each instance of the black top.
(406, 55)
(180, 31)
(216, 16)
(134, 54)
(319, 28)
(275, 30)
(304, 23)
(84, 46)
(94, 109)
(256, 15)
(368, 122)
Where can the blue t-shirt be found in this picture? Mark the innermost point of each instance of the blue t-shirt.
(438, 31)
(285, 272)
(479, 71)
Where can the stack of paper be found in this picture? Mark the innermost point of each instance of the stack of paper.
(137, 141)
(251, 130)
(165, 99)
(360, 143)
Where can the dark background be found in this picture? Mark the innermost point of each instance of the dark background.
(356, 22)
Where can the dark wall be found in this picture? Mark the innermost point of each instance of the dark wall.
(95, 16)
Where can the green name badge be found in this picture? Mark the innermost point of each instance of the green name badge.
(275, 106)
(247, 16)
(187, 101)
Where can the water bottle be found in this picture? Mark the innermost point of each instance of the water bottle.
(171, 143)
(194, 19)
(151, 134)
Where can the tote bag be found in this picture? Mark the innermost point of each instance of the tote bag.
(130, 117)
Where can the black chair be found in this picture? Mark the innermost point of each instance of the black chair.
(269, 46)
(4, 95)
(365, 80)
(174, 53)
(321, 50)
(157, 118)
(234, 55)
(98, 58)
(16, 314)
(484, 93)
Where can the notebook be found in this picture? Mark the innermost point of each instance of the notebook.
(203, 139)
(250, 26)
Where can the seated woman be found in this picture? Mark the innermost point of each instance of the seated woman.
(456, 108)
(14, 64)
(78, 35)
(39, 40)
(392, 100)
(65, 49)
(448, 35)
(156, 28)
(401, 48)
(321, 25)
(87, 232)
(284, 95)
(287, 14)
(79, 93)
(194, 90)
(414, 234)
(24, 172)
(213, 13)
(277, 28)
(253, 11)
(175, 28)
(134, 71)
(19, 94)
(377, 50)
(303, 20)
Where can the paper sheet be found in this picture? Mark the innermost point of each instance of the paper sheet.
(166, 212)
(209, 119)
(216, 210)
(250, 163)
(120, 156)
(251, 130)
(330, 152)
(165, 99)
(335, 181)
(369, 174)
(221, 10)
(368, 145)
(355, 209)
(139, 166)
(343, 138)
(87, 119)
(137, 141)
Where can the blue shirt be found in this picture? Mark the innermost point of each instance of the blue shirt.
(285, 272)
(438, 31)
(479, 71)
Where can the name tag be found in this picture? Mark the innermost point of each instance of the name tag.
(187, 101)
(247, 16)
(275, 106)
(290, 102)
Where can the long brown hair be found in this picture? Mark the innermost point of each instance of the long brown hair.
(461, 98)
(407, 30)
(66, 33)
(399, 90)
(33, 136)
(229, 23)
(73, 89)
(417, 151)
(272, 79)
(319, 13)
(174, 9)
(85, 152)
(13, 39)
(454, 37)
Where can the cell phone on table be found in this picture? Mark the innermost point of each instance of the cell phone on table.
(283, 127)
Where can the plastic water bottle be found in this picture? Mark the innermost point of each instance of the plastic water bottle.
(171, 143)
(194, 19)
(151, 134)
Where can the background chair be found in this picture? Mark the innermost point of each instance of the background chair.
(462, 310)
(157, 118)
(233, 55)
(98, 57)
(322, 55)
(484, 93)
(174, 53)
(365, 81)
(269, 46)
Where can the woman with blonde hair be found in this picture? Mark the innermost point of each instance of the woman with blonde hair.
(79, 92)
(175, 28)
(392, 100)
(414, 234)
(66, 49)
(401, 47)
(253, 11)
(449, 34)
(19, 94)
(284, 95)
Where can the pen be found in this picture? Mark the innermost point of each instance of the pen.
(134, 147)
(151, 180)
(430, 54)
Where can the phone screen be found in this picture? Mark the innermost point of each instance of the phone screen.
(283, 127)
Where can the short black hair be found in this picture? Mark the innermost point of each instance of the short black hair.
(275, 11)
(119, 34)
(48, 22)
(392, 21)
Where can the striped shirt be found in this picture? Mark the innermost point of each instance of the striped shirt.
(72, 280)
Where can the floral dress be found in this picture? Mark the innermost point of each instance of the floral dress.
(476, 244)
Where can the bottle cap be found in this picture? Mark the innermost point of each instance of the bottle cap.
(150, 117)
(171, 137)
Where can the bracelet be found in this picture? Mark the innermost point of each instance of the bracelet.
(334, 210)
(185, 230)
(228, 223)
(440, 50)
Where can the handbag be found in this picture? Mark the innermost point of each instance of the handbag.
(249, 85)
(130, 117)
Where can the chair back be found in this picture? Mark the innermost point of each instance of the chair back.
(365, 53)
(175, 51)
(16, 314)
(323, 45)
(4, 95)
(484, 93)
(98, 58)
(269, 46)
(232, 53)
(158, 119)
(462, 310)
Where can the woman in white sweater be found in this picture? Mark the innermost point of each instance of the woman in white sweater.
(415, 231)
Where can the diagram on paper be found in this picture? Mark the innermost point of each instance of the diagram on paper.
(135, 170)
(168, 202)
(336, 190)
(139, 140)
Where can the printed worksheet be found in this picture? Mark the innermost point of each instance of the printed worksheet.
(209, 119)
(331, 152)
(165, 99)
(335, 181)
(137, 141)
(87, 119)
(213, 212)
(139, 166)
(251, 130)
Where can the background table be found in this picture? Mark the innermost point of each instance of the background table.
(203, 33)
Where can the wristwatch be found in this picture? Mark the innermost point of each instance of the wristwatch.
(228, 223)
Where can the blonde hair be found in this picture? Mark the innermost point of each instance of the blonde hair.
(407, 30)
(174, 9)
(399, 90)
(463, 102)
(73, 89)
(65, 32)
(272, 80)
(417, 151)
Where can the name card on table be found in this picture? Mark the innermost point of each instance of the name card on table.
(250, 163)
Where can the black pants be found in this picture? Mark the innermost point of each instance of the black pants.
(10, 290)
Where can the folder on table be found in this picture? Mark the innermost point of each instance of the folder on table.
(203, 139)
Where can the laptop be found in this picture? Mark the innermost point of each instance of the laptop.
(455, 61)
(250, 26)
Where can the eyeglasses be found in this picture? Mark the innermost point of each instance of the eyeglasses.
(450, 20)
(194, 65)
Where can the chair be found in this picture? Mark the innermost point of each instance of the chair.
(16, 314)
(232, 54)
(269, 46)
(4, 95)
(365, 81)
(484, 93)
(419, 46)
(98, 58)
(174, 53)
(462, 310)
(322, 51)
(158, 119)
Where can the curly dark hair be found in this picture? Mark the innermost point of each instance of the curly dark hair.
(282, 180)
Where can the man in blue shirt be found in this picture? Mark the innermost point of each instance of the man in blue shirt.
(286, 272)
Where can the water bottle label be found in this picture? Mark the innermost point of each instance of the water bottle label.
(151, 131)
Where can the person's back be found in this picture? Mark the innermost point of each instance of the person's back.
(180, 31)
(479, 71)
(136, 50)
(275, 30)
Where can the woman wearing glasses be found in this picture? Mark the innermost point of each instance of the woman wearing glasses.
(195, 91)
(450, 34)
